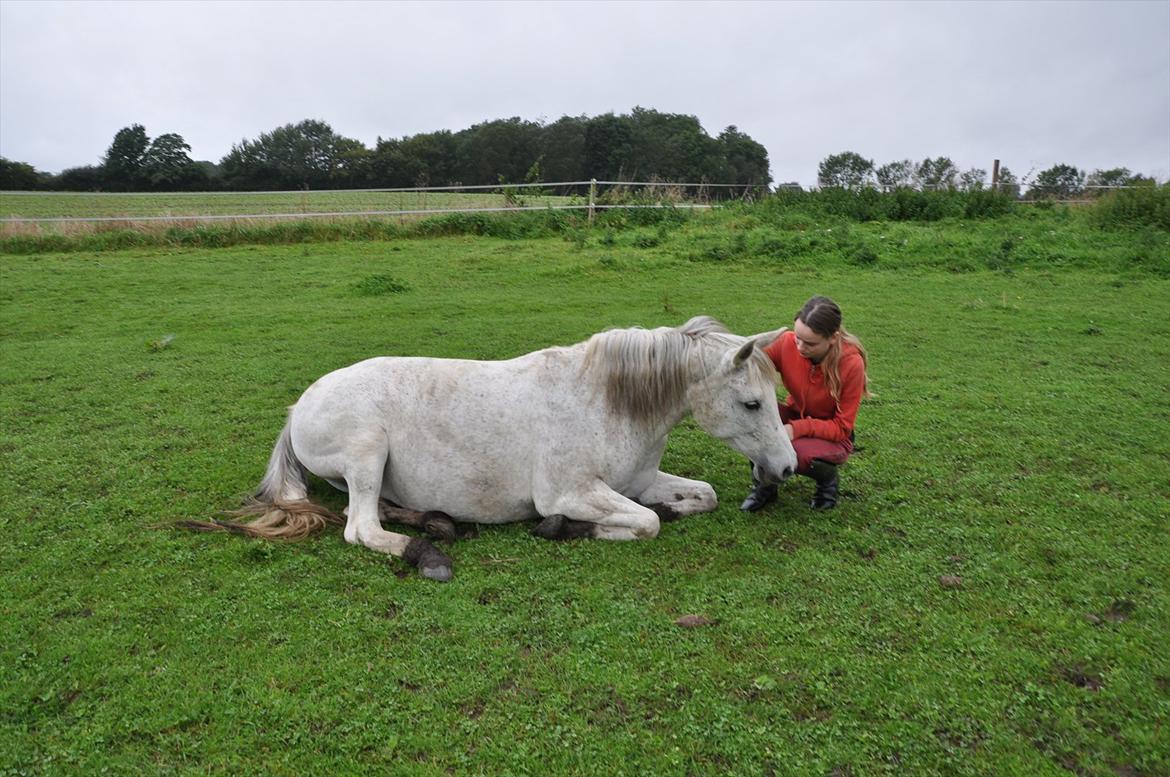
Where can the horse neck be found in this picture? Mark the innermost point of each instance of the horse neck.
(643, 381)
(704, 359)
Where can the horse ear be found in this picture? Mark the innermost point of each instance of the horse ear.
(743, 354)
(764, 339)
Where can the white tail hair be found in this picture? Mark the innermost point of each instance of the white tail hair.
(280, 504)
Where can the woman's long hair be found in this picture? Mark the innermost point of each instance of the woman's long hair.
(823, 316)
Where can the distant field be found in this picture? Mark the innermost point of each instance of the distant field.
(992, 597)
(131, 206)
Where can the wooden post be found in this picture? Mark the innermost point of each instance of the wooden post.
(995, 176)
(592, 198)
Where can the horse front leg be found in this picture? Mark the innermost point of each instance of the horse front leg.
(595, 511)
(671, 496)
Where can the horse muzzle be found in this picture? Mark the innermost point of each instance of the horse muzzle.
(763, 473)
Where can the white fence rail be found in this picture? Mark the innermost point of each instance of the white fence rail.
(336, 214)
(516, 198)
(411, 202)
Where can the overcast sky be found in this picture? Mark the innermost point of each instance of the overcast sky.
(1031, 83)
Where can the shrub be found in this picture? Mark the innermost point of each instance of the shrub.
(1141, 206)
(987, 204)
(864, 256)
(865, 204)
(378, 285)
(647, 241)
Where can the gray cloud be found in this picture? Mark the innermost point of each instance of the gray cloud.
(1033, 84)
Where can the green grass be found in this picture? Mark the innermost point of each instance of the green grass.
(1018, 441)
(131, 205)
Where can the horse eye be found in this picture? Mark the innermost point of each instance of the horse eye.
(753, 405)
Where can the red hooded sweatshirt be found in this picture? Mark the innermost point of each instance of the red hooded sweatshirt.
(819, 415)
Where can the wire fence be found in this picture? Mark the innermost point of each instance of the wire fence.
(33, 212)
(41, 208)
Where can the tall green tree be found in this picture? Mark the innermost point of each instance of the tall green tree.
(562, 150)
(1117, 176)
(847, 170)
(939, 173)
(432, 159)
(18, 176)
(166, 164)
(894, 175)
(671, 146)
(125, 157)
(308, 154)
(746, 161)
(87, 178)
(1058, 181)
(972, 179)
(500, 150)
(609, 147)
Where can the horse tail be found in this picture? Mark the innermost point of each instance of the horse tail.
(280, 508)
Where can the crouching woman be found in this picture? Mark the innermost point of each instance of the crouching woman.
(823, 368)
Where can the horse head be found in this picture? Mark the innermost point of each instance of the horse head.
(735, 401)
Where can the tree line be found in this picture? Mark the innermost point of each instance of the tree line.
(641, 145)
(850, 170)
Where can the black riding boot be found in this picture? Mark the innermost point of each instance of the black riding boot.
(760, 496)
(825, 474)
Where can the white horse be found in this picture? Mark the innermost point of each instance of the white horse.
(572, 435)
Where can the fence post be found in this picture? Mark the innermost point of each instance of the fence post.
(995, 176)
(592, 198)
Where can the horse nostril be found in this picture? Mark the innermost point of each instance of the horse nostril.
(787, 472)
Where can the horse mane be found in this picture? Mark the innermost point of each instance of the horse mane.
(647, 370)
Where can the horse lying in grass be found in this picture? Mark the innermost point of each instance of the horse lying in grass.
(573, 436)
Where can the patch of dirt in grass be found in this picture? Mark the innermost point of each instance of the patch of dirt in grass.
(789, 692)
(1119, 611)
(604, 708)
(894, 531)
(965, 737)
(1083, 677)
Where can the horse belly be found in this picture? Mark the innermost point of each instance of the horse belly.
(466, 488)
(466, 452)
(463, 437)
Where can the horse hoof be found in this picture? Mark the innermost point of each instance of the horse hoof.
(558, 527)
(665, 512)
(438, 525)
(431, 563)
(550, 528)
(441, 573)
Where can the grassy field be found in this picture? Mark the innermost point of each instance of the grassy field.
(991, 597)
(131, 206)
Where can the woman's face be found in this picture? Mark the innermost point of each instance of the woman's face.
(811, 345)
